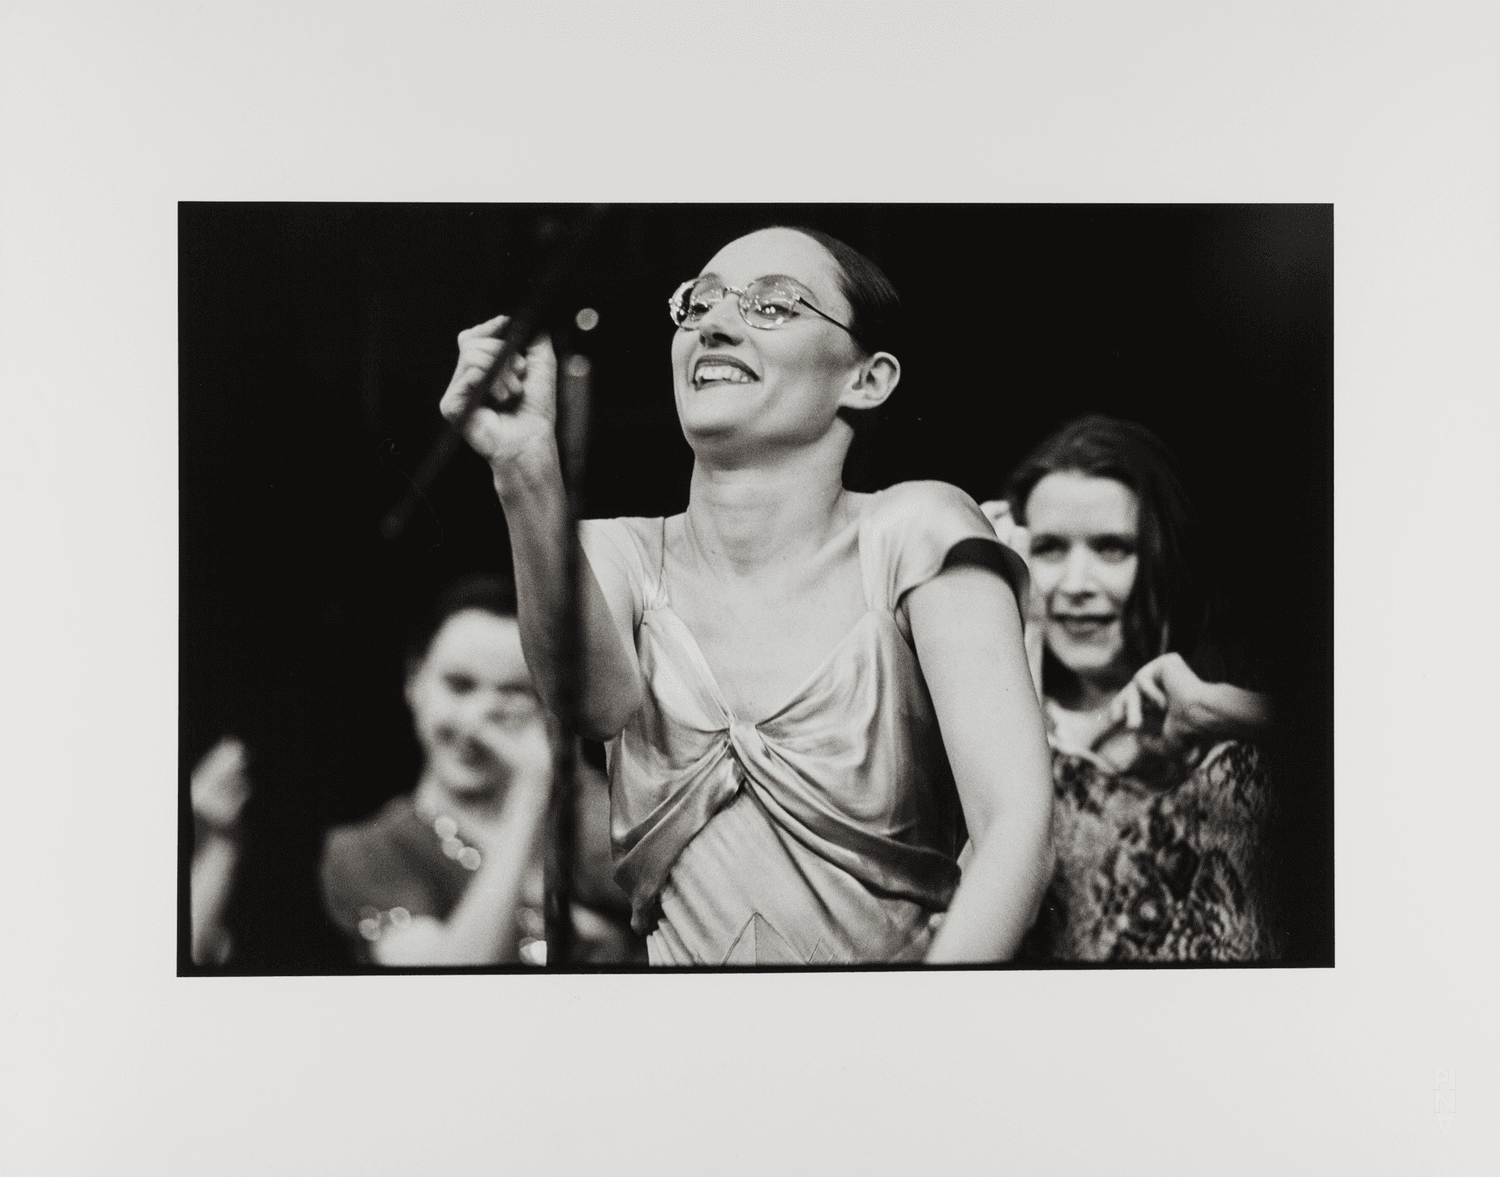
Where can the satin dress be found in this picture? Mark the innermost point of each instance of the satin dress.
(828, 832)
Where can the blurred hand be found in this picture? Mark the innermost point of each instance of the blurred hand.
(220, 786)
(1033, 608)
(1165, 690)
(526, 751)
(518, 404)
(1007, 530)
(1189, 710)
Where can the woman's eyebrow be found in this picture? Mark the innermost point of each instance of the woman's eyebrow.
(763, 278)
(1089, 537)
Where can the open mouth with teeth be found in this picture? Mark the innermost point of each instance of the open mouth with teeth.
(1081, 625)
(721, 370)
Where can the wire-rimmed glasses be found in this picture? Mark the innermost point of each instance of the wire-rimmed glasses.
(765, 303)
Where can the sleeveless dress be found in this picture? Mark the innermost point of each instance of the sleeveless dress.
(826, 833)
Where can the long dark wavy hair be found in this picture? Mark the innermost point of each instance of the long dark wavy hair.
(1166, 606)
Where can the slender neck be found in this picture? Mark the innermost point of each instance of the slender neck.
(749, 518)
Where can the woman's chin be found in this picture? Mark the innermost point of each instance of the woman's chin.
(713, 429)
(463, 783)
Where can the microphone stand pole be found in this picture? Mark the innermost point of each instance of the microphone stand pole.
(572, 423)
(518, 334)
(573, 391)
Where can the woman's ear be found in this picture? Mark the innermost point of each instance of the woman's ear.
(873, 382)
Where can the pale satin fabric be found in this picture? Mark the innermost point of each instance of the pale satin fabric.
(826, 833)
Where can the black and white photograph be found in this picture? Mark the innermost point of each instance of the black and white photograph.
(804, 588)
(1100, 434)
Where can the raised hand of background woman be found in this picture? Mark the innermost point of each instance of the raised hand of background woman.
(1189, 709)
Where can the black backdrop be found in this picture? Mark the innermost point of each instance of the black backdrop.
(316, 340)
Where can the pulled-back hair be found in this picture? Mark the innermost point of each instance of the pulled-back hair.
(874, 316)
(480, 590)
(1165, 609)
(874, 305)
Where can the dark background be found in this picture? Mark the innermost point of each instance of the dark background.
(316, 340)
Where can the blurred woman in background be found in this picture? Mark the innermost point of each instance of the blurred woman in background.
(1161, 798)
(451, 874)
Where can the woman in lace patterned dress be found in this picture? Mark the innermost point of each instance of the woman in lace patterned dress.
(811, 696)
(1161, 799)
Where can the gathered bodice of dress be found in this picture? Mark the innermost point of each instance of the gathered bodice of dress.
(827, 831)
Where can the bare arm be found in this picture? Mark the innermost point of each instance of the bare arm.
(536, 514)
(220, 787)
(515, 432)
(209, 885)
(482, 928)
(1018, 539)
(967, 631)
(1190, 708)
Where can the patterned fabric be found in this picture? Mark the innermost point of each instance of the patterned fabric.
(1162, 861)
(827, 832)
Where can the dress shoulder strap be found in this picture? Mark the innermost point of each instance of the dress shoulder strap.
(619, 551)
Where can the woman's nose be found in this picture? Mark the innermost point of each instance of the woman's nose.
(471, 714)
(723, 322)
(1076, 577)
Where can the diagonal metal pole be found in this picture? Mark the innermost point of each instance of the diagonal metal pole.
(518, 333)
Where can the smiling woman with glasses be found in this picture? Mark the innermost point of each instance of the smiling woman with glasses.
(812, 697)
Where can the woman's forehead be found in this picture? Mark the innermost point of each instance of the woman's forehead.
(779, 251)
(1069, 500)
(476, 638)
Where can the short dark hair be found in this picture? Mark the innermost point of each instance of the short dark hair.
(1165, 609)
(481, 590)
